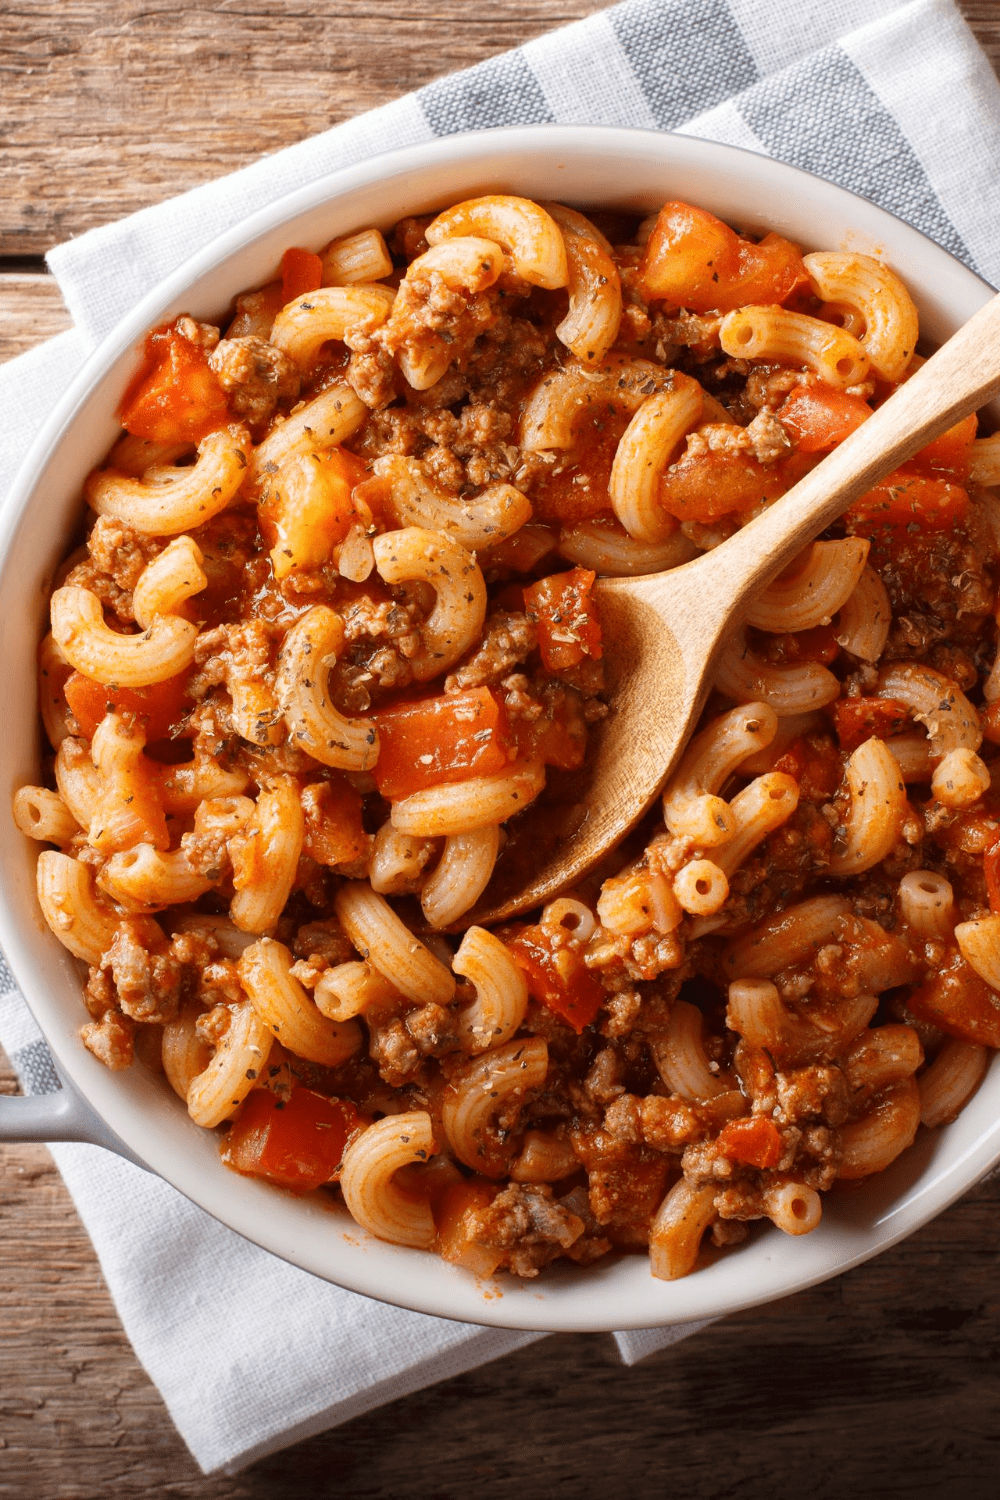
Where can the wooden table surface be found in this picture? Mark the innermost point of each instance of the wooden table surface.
(883, 1382)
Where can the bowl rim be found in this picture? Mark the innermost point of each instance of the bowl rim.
(705, 1296)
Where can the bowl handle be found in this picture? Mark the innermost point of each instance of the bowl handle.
(61, 1116)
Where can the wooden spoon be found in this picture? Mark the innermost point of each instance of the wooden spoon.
(663, 631)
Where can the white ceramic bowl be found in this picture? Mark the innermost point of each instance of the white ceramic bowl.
(633, 170)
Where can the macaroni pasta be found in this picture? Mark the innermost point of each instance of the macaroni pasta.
(332, 654)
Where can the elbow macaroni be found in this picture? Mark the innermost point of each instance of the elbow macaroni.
(330, 659)
(166, 501)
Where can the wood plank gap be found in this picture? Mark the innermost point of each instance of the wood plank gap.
(32, 265)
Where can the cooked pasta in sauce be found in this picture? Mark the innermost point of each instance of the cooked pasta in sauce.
(331, 638)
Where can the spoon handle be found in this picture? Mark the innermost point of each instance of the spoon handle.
(957, 380)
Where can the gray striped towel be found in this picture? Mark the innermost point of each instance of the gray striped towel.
(894, 101)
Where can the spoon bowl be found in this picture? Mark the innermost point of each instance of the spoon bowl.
(667, 628)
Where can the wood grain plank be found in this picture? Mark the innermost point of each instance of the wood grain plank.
(109, 105)
(31, 310)
(981, 16)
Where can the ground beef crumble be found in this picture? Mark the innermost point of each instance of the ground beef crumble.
(529, 1225)
(508, 640)
(257, 376)
(117, 555)
(145, 975)
(242, 657)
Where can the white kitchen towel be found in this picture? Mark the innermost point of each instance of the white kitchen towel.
(894, 101)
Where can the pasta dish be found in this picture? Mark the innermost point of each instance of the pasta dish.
(329, 648)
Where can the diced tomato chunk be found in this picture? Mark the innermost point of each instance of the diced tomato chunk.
(454, 1215)
(176, 398)
(334, 831)
(436, 740)
(756, 1142)
(557, 978)
(904, 500)
(975, 831)
(957, 1001)
(917, 527)
(303, 517)
(709, 485)
(951, 451)
(522, 551)
(768, 272)
(298, 1142)
(818, 416)
(686, 256)
(814, 762)
(577, 489)
(858, 719)
(569, 627)
(694, 260)
(301, 272)
(158, 708)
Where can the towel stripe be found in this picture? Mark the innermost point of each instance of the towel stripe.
(501, 91)
(820, 114)
(777, 36)
(34, 1067)
(579, 93)
(687, 55)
